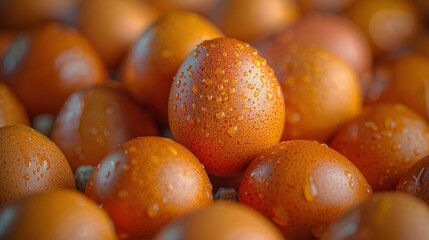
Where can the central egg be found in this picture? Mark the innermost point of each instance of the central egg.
(226, 105)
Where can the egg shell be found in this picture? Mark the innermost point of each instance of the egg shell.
(30, 163)
(61, 214)
(95, 120)
(11, 110)
(44, 65)
(383, 142)
(302, 186)
(226, 105)
(415, 181)
(148, 182)
(222, 220)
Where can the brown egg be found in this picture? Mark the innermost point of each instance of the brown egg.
(386, 23)
(112, 26)
(393, 216)
(61, 214)
(321, 92)
(149, 69)
(383, 142)
(199, 6)
(95, 120)
(11, 110)
(226, 105)
(24, 13)
(44, 65)
(302, 186)
(30, 163)
(404, 79)
(333, 32)
(415, 181)
(6, 38)
(222, 220)
(325, 5)
(250, 20)
(148, 182)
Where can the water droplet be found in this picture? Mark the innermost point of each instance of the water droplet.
(46, 165)
(195, 89)
(153, 210)
(197, 53)
(396, 147)
(26, 177)
(209, 97)
(232, 130)
(178, 83)
(189, 67)
(174, 108)
(310, 189)
(371, 125)
(245, 74)
(191, 74)
(240, 118)
(231, 90)
(263, 79)
(256, 62)
(250, 86)
(239, 62)
(218, 99)
(203, 109)
(269, 96)
(351, 185)
(181, 74)
(224, 54)
(324, 145)
(243, 96)
(190, 120)
(183, 109)
(220, 115)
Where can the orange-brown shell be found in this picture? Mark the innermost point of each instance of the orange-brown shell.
(147, 182)
(250, 20)
(302, 186)
(325, 5)
(60, 214)
(112, 26)
(11, 110)
(383, 142)
(44, 65)
(24, 13)
(149, 69)
(386, 23)
(321, 92)
(199, 6)
(390, 215)
(222, 220)
(95, 120)
(332, 32)
(405, 80)
(30, 163)
(415, 181)
(226, 105)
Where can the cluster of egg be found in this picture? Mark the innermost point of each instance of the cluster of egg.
(122, 119)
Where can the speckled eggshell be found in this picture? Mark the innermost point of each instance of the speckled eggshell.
(383, 142)
(44, 65)
(30, 163)
(302, 186)
(226, 105)
(11, 110)
(148, 182)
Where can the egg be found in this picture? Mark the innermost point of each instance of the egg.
(325, 5)
(226, 105)
(302, 186)
(95, 120)
(61, 214)
(402, 79)
(332, 32)
(250, 20)
(199, 6)
(23, 13)
(148, 182)
(113, 26)
(383, 142)
(415, 180)
(321, 92)
(30, 163)
(11, 110)
(44, 65)
(393, 216)
(148, 70)
(387, 24)
(222, 220)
